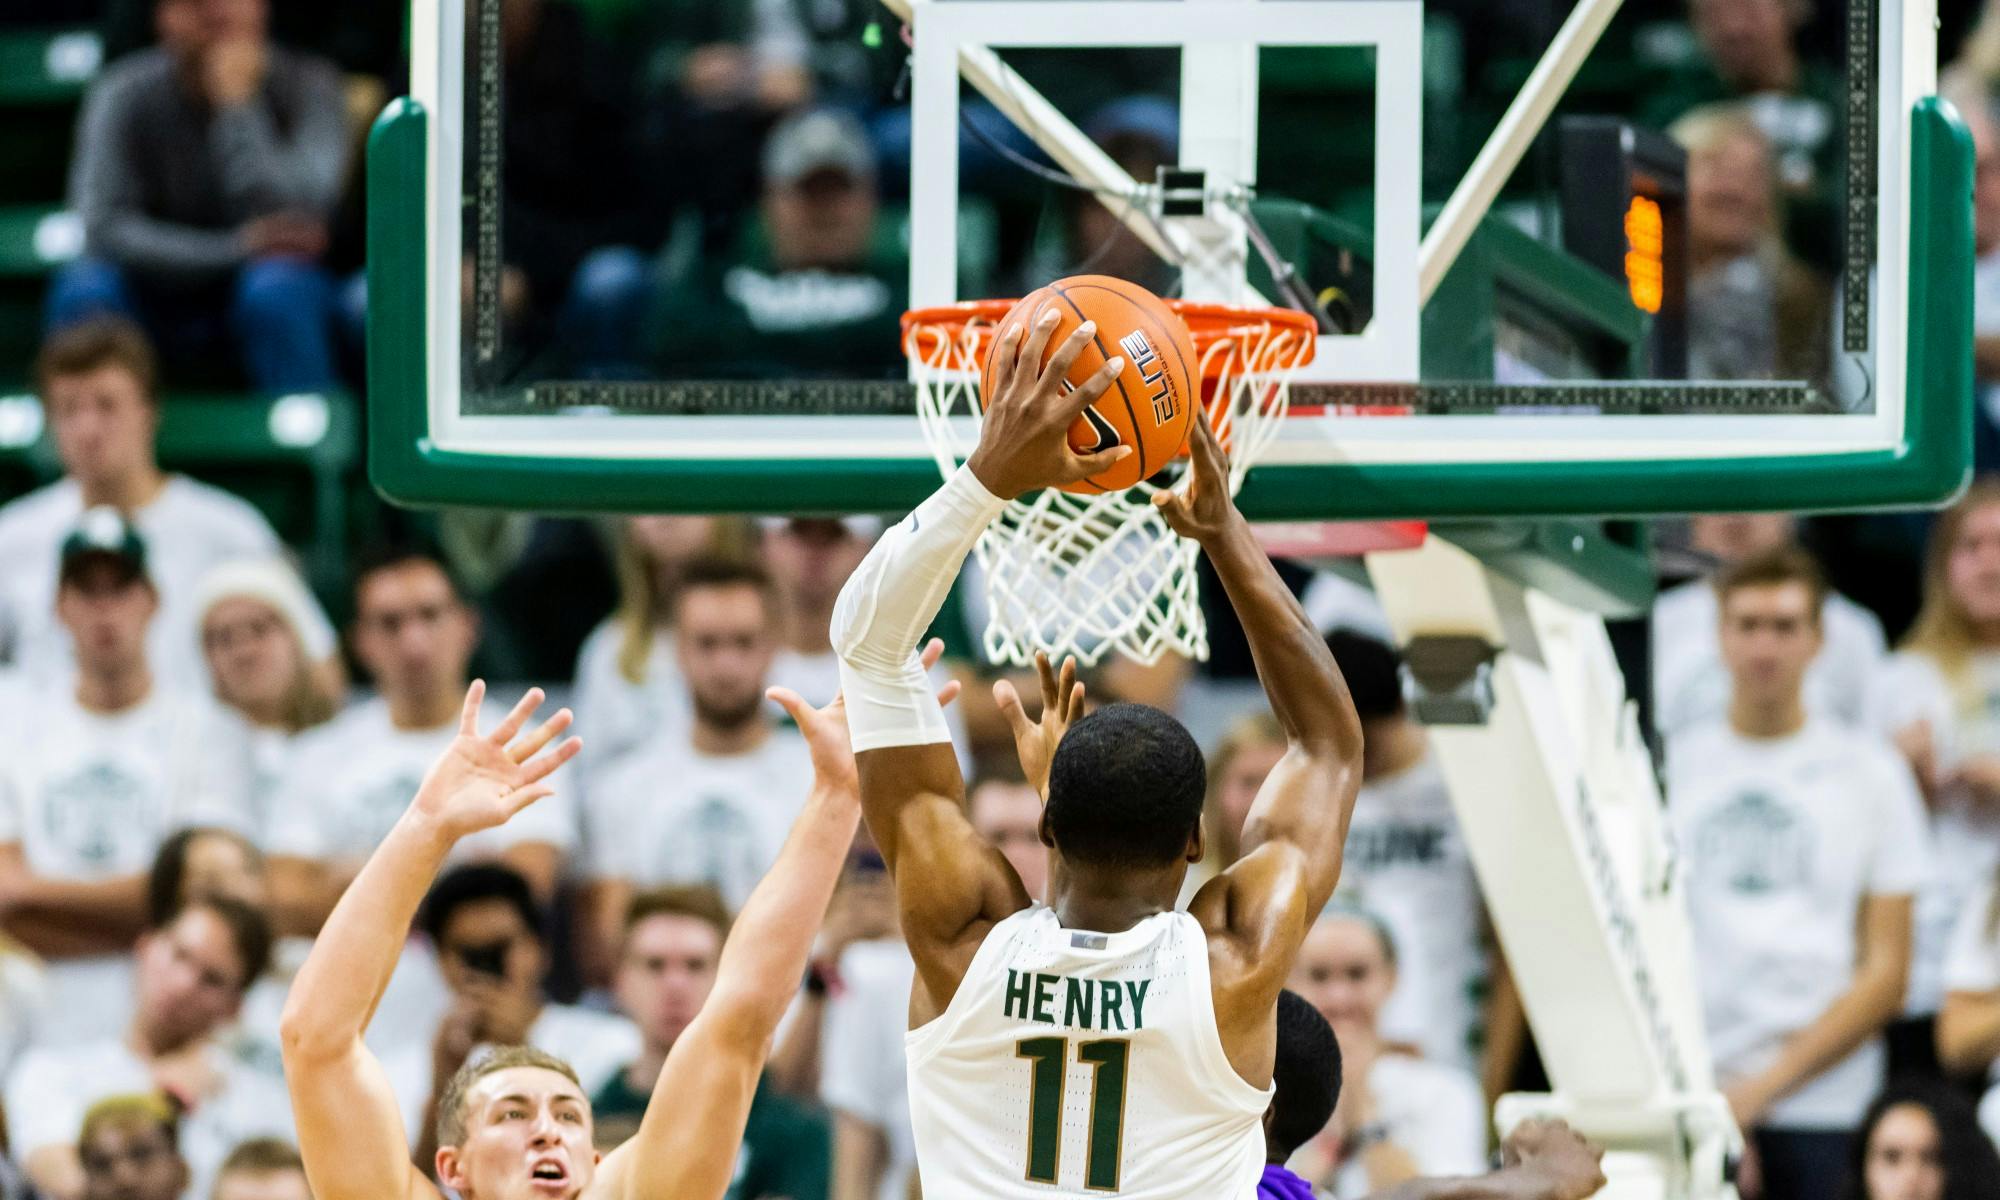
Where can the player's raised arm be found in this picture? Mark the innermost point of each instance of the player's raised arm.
(350, 1133)
(1293, 835)
(686, 1147)
(950, 885)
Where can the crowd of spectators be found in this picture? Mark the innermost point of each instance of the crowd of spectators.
(194, 760)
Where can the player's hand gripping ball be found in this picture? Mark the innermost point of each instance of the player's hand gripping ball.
(1151, 406)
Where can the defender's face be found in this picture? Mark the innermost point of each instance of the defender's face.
(527, 1137)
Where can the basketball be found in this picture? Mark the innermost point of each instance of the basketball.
(1150, 406)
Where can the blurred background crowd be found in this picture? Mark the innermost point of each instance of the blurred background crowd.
(224, 666)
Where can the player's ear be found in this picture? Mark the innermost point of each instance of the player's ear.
(448, 1172)
(1042, 828)
(1198, 844)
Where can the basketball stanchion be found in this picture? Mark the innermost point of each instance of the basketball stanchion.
(1092, 574)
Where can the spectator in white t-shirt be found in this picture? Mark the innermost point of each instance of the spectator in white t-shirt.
(352, 777)
(863, 1073)
(95, 775)
(709, 802)
(809, 559)
(97, 385)
(192, 974)
(1969, 1024)
(1400, 1117)
(1691, 685)
(628, 684)
(1939, 699)
(1407, 862)
(1804, 845)
(487, 928)
(130, 1150)
(254, 616)
(24, 989)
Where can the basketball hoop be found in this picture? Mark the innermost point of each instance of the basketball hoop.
(1086, 575)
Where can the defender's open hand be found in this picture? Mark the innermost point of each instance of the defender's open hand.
(482, 780)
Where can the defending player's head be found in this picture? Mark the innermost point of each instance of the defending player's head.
(515, 1124)
(1305, 1077)
(1125, 797)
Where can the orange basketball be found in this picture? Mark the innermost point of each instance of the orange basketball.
(1151, 405)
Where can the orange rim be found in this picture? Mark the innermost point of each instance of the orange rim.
(969, 323)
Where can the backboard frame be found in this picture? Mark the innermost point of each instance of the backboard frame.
(420, 456)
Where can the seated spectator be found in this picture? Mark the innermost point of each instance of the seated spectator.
(1141, 134)
(1399, 1117)
(1754, 60)
(111, 762)
(717, 75)
(1804, 845)
(1937, 698)
(254, 619)
(191, 977)
(810, 560)
(487, 928)
(262, 1169)
(628, 687)
(98, 389)
(710, 802)
(202, 862)
(1407, 862)
(206, 170)
(666, 968)
(1246, 754)
(1754, 311)
(808, 292)
(129, 1149)
(352, 777)
(863, 1075)
(1920, 1141)
(1006, 811)
(1691, 684)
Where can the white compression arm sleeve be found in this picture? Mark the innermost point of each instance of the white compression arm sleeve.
(888, 604)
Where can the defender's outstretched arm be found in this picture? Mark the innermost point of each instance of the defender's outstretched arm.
(950, 885)
(686, 1147)
(350, 1133)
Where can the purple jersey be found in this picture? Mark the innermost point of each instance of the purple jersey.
(1280, 1184)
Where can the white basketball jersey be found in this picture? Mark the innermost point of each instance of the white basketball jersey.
(1084, 1064)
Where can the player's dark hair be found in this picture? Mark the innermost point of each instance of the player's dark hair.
(1125, 788)
(1305, 1077)
(472, 884)
(1971, 1164)
(169, 874)
(1373, 673)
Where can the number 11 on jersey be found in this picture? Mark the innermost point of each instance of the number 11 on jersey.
(1049, 1057)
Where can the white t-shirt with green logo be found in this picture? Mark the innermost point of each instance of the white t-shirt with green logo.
(89, 797)
(1782, 839)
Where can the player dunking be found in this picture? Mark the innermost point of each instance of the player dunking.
(514, 1123)
(1104, 1044)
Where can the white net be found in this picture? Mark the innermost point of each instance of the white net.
(1090, 575)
